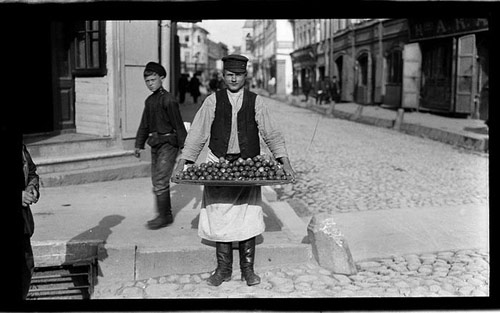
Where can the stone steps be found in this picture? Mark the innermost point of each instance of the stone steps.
(124, 170)
(83, 161)
(70, 159)
(67, 145)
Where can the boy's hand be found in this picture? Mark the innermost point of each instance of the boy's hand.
(137, 152)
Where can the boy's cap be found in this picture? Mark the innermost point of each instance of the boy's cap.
(235, 63)
(157, 68)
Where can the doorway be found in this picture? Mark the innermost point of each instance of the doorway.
(340, 78)
(62, 77)
(362, 95)
(437, 56)
(394, 76)
(49, 107)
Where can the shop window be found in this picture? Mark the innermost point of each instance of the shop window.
(395, 67)
(89, 48)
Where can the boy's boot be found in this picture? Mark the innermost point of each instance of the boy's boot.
(247, 256)
(164, 209)
(224, 270)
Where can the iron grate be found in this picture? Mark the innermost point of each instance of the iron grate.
(75, 281)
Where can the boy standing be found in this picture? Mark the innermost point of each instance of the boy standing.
(163, 130)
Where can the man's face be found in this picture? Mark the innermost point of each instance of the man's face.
(153, 82)
(234, 81)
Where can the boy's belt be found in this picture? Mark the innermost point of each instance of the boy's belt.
(162, 134)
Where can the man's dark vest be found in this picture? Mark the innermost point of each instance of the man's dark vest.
(248, 132)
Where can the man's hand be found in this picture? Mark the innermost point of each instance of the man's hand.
(137, 152)
(287, 168)
(180, 167)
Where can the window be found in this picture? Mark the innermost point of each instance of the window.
(186, 38)
(89, 49)
(199, 39)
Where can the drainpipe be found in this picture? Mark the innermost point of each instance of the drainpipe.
(165, 55)
(354, 65)
(330, 35)
(381, 61)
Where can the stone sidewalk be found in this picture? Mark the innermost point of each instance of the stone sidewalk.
(462, 132)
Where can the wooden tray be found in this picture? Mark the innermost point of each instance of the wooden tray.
(231, 182)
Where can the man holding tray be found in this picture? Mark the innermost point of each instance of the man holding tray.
(233, 120)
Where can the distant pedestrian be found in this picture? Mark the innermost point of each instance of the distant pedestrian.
(30, 195)
(163, 130)
(272, 85)
(194, 87)
(295, 85)
(306, 88)
(335, 90)
(212, 84)
(216, 83)
(183, 84)
(321, 91)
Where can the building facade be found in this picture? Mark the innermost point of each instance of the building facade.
(424, 64)
(247, 35)
(193, 48)
(271, 61)
(359, 52)
(96, 68)
(453, 56)
(216, 51)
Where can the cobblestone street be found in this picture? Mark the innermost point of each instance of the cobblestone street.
(447, 273)
(345, 166)
(342, 167)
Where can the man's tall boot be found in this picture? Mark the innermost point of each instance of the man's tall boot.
(224, 270)
(164, 208)
(247, 257)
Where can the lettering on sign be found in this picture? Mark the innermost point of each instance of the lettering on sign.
(426, 29)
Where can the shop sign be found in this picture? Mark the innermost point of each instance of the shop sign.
(436, 28)
(304, 56)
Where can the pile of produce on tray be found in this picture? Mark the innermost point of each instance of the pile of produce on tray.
(252, 169)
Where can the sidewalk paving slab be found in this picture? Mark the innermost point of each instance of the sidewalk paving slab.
(387, 233)
(110, 217)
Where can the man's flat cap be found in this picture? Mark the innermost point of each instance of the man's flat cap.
(157, 68)
(235, 63)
